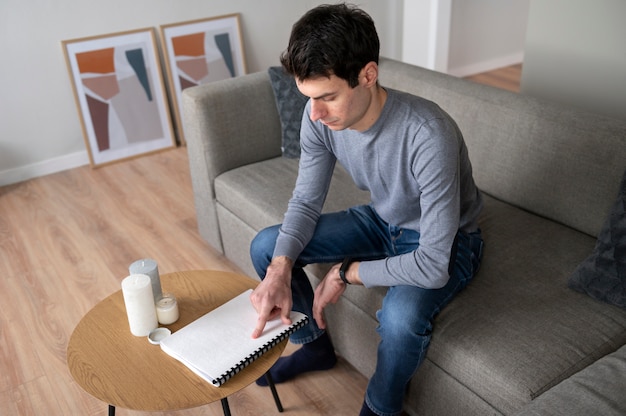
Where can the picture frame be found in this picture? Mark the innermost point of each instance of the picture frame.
(120, 95)
(200, 51)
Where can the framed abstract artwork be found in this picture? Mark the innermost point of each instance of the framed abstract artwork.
(201, 51)
(120, 95)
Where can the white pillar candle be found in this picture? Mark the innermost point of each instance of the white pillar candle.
(167, 309)
(148, 267)
(139, 301)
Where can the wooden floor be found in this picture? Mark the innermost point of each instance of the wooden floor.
(66, 241)
(507, 78)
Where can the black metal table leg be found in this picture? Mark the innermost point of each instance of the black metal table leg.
(270, 382)
(225, 406)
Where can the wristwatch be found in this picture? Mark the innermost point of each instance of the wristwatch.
(344, 268)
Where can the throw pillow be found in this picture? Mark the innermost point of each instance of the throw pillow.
(290, 104)
(603, 274)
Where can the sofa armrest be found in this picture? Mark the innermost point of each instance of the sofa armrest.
(227, 124)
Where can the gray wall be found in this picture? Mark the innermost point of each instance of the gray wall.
(576, 53)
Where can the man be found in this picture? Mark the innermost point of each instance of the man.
(419, 235)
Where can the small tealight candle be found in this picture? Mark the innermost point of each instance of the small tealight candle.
(167, 309)
(148, 267)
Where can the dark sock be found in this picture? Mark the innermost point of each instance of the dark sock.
(314, 356)
(366, 411)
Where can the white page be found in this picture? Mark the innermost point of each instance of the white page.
(219, 341)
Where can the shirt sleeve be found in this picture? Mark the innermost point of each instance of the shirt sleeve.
(436, 170)
(305, 206)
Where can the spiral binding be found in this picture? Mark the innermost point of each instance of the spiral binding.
(259, 352)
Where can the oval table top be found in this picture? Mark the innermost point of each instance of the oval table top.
(123, 370)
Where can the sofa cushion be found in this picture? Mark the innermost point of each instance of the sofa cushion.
(290, 104)
(258, 193)
(596, 390)
(603, 274)
(517, 330)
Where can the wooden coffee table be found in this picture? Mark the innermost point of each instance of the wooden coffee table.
(123, 370)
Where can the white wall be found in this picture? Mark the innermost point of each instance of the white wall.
(576, 53)
(486, 34)
(462, 37)
(39, 125)
(425, 33)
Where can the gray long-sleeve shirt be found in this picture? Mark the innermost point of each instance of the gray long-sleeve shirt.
(415, 165)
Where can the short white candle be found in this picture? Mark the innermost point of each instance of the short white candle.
(150, 268)
(167, 309)
(139, 301)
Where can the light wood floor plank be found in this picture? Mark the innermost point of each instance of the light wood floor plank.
(507, 78)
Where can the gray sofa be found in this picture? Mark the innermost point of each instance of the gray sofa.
(517, 340)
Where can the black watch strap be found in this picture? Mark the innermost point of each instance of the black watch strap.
(344, 268)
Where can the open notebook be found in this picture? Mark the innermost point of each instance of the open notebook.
(218, 345)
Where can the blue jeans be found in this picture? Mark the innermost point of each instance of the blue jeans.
(407, 313)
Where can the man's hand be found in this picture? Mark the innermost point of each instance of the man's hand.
(330, 290)
(272, 297)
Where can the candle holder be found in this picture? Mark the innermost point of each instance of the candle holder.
(167, 309)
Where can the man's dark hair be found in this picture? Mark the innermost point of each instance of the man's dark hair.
(336, 39)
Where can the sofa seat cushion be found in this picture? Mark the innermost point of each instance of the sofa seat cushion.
(517, 329)
(258, 193)
(596, 390)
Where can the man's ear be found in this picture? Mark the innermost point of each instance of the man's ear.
(370, 74)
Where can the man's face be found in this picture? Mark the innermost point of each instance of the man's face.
(335, 104)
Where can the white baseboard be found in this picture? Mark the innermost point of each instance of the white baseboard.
(45, 167)
(488, 65)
